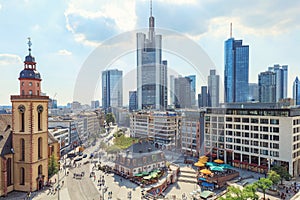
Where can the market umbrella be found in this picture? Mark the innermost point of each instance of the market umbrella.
(138, 175)
(153, 175)
(211, 164)
(205, 194)
(199, 164)
(145, 173)
(147, 177)
(216, 168)
(219, 161)
(156, 170)
(226, 166)
(205, 171)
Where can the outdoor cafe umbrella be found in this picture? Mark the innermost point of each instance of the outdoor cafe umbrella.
(153, 175)
(205, 171)
(145, 173)
(211, 164)
(216, 168)
(138, 175)
(226, 166)
(199, 164)
(219, 161)
(147, 177)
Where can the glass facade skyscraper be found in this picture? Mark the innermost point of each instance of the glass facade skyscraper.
(112, 88)
(296, 91)
(281, 73)
(236, 73)
(193, 89)
(267, 87)
(132, 101)
(151, 71)
(213, 83)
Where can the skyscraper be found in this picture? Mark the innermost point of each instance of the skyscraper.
(236, 72)
(203, 101)
(182, 92)
(281, 73)
(172, 90)
(112, 88)
(151, 70)
(267, 87)
(213, 82)
(253, 92)
(132, 101)
(193, 89)
(296, 91)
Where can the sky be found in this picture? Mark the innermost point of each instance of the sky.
(65, 33)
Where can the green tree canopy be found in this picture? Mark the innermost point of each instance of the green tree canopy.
(110, 118)
(53, 166)
(264, 184)
(274, 177)
(282, 171)
(236, 193)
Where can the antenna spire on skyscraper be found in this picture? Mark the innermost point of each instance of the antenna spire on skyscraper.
(230, 29)
(150, 7)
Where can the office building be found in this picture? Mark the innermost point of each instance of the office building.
(253, 92)
(213, 84)
(112, 89)
(161, 127)
(193, 89)
(132, 101)
(254, 138)
(236, 72)
(182, 92)
(267, 87)
(151, 71)
(172, 90)
(203, 98)
(281, 74)
(296, 91)
(95, 104)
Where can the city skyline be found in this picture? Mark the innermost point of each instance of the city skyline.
(75, 28)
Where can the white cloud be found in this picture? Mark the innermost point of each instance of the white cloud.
(0, 6)
(64, 52)
(179, 2)
(100, 17)
(9, 59)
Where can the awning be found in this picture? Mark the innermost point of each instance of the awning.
(205, 194)
(236, 161)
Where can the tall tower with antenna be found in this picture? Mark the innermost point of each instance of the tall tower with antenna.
(151, 69)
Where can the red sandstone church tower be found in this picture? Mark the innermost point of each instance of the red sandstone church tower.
(30, 129)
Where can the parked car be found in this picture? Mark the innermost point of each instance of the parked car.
(80, 153)
(78, 159)
(84, 155)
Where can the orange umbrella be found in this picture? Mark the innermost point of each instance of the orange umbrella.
(199, 164)
(205, 171)
(219, 161)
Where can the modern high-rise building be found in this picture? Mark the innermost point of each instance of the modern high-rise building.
(281, 80)
(172, 90)
(253, 92)
(203, 99)
(182, 92)
(236, 72)
(132, 101)
(95, 104)
(112, 88)
(151, 70)
(213, 82)
(296, 91)
(267, 87)
(193, 89)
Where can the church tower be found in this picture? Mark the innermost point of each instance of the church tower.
(30, 129)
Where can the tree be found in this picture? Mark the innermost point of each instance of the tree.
(53, 166)
(283, 173)
(264, 184)
(274, 177)
(236, 193)
(110, 118)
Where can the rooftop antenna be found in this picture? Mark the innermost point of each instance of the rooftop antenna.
(230, 29)
(29, 45)
(150, 7)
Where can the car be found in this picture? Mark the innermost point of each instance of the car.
(92, 155)
(77, 159)
(80, 153)
(84, 155)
